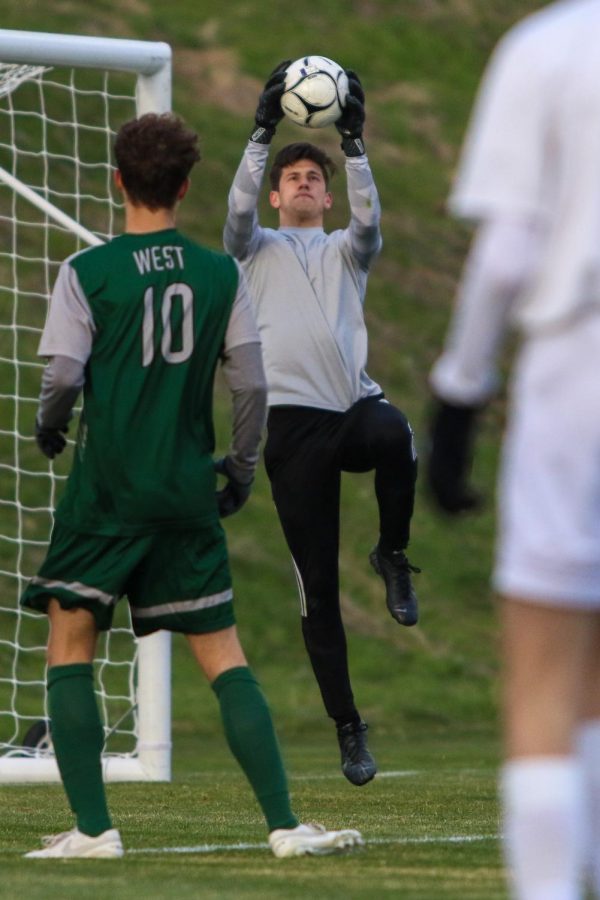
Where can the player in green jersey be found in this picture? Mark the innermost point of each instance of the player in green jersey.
(139, 324)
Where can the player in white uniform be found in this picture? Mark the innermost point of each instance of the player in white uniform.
(530, 176)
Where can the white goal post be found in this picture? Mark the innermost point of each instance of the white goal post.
(55, 198)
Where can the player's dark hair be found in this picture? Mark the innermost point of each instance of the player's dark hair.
(293, 153)
(155, 155)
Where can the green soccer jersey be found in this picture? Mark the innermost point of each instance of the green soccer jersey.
(158, 306)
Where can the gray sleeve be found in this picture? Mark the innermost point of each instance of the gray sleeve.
(241, 234)
(62, 382)
(364, 233)
(245, 377)
(69, 328)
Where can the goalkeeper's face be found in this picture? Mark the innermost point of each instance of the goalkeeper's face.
(302, 197)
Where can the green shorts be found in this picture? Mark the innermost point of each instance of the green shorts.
(178, 581)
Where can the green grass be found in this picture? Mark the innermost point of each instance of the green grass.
(430, 832)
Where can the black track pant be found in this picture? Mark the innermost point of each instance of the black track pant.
(306, 451)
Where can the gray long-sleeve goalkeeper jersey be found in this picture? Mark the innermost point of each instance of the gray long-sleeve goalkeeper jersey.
(308, 290)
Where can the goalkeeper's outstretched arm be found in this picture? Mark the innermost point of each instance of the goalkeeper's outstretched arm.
(364, 232)
(241, 234)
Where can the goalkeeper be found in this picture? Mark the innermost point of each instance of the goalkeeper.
(326, 416)
(140, 324)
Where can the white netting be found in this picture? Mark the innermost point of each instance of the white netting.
(56, 130)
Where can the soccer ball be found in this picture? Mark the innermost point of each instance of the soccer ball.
(315, 91)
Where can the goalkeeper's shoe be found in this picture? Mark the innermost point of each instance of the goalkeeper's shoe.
(313, 840)
(358, 765)
(75, 844)
(395, 570)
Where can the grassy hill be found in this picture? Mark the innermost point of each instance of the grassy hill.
(420, 61)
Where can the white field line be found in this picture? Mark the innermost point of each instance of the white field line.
(399, 773)
(406, 773)
(221, 848)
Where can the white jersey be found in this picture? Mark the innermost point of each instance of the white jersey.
(532, 154)
(530, 175)
(308, 289)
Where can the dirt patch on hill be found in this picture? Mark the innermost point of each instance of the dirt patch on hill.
(218, 79)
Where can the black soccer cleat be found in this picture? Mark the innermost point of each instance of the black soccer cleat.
(357, 763)
(400, 597)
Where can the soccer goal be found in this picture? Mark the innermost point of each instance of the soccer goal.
(62, 97)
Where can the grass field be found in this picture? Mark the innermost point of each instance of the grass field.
(430, 819)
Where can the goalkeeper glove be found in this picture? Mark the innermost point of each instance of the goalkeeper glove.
(451, 433)
(51, 441)
(235, 493)
(350, 123)
(269, 112)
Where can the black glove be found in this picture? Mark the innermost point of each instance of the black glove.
(452, 433)
(51, 441)
(351, 122)
(233, 496)
(269, 112)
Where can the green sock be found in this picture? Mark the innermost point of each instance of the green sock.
(251, 737)
(78, 737)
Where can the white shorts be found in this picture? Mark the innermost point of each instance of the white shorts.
(549, 492)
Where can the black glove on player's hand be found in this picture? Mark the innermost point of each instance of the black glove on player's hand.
(351, 122)
(51, 441)
(452, 432)
(269, 112)
(233, 496)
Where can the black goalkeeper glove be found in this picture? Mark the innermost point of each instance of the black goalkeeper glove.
(51, 441)
(269, 112)
(233, 496)
(351, 122)
(452, 432)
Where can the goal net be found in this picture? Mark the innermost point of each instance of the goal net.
(62, 98)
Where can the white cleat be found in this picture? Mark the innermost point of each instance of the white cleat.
(75, 844)
(312, 840)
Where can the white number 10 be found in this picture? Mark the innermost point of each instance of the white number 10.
(187, 325)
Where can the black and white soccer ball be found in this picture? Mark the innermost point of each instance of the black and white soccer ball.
(315, 91)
